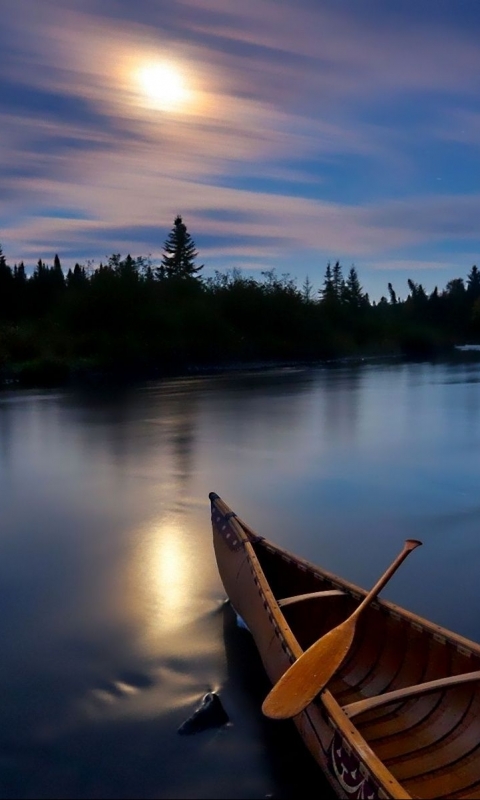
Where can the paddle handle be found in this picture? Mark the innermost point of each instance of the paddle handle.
(409, 545)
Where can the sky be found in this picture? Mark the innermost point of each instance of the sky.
(287, 133)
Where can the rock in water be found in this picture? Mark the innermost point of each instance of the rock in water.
(209, 714)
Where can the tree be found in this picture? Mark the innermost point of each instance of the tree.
(77, 278)
(338, 282)
(57, 276)
(473, 283)
(328, 291)
(307, 290)
(5, 271)
(6, 285)
(19, 275)
(352, 291)
(179, 254)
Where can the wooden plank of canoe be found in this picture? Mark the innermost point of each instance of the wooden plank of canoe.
(354, 709)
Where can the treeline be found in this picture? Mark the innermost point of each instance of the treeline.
(128, 317)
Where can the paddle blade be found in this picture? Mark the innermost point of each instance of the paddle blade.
(310, 673)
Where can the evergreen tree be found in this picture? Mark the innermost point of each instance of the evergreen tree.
(6, 283)
(418, 293)
(127, 269)
(19, 274)
(39, 272)
(337, 281)
(307, 290)
(353, 291)
(179, 254)
(328, 291)
(392, 295)
(57, 276)
(77, 277)
(473, 283)
(5, 271)
(3, 261)
(148, 273)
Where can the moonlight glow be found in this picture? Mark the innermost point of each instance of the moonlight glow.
(164, 86)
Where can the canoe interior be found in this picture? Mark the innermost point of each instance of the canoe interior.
(431, 742)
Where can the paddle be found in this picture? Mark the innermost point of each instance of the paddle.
(310, 673)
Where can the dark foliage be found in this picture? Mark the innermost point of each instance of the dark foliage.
(128, 318)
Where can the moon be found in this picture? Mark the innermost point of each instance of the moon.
(164, 86)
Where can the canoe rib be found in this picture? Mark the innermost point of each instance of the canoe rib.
(354, 709)
(287, 601)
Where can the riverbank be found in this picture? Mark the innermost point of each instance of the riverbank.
(52, 373)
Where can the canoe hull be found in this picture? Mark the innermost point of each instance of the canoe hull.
(322, 725)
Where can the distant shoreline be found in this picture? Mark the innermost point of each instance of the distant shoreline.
(56, 374)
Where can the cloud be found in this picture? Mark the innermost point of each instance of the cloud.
(410, 265)
(301, 140)
(460, 125)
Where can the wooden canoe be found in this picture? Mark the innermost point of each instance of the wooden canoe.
(401, 717)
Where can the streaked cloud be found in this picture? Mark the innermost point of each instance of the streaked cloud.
(308, 137)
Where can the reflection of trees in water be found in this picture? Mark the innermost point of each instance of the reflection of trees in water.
(107, 421)
(158, 426)
(138, 424)
(341, 390)
(471, 394)
(142, 440)
(264, 408)
(7, 422)
(182, 421)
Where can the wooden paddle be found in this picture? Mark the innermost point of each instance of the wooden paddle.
(310, 673)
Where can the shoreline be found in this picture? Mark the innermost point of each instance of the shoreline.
(57, 374)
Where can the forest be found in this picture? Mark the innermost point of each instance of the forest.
(128, 318)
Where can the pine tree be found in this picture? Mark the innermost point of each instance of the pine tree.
(352, 290)
(337, 280)
(40, 271)
(328, 291)
(77, 277)
(307, 290)
(473, 283)
(6, 281)
(19, 274)
(5, 271)
(57, 276)
(179, 254)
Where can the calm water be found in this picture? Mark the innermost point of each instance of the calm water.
(112, 626)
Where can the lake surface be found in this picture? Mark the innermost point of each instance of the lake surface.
(112, 623)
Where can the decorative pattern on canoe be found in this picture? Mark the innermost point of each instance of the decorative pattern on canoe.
(349, 772)
(225, 530)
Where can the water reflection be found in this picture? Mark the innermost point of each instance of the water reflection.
(183, 427)
(111, 623)
(163, 575)
(342, 390)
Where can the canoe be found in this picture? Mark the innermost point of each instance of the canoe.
(400, 718)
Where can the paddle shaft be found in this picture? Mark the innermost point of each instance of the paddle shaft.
(409, 545)
(310, 673)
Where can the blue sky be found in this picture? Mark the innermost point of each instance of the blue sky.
(308, 131)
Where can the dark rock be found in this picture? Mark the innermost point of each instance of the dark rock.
(209, 714)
